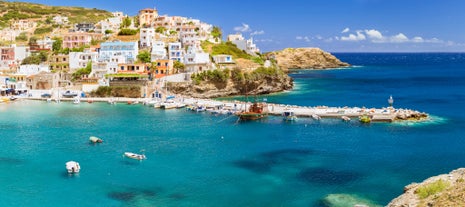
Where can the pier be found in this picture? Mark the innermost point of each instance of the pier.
(385, 114)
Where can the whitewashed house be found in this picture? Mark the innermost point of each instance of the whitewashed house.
(79, 60)
(146, 37)
(33, 69)
(129, 50)
(158, 51)
(175, 51)
(196, 60)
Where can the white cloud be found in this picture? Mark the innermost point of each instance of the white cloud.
(399, 38)
(345, 30)
(418, 39)
(257, 32)
(263, 40)
(243, 28)
(374, 35)
(303, 38)
(353, 38)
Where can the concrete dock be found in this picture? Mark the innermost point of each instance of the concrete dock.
(386, 114)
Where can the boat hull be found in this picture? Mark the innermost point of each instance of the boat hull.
(134, 156)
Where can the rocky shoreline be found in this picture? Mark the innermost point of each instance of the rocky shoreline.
(442, 190)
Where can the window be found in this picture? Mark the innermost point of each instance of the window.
(122, 67)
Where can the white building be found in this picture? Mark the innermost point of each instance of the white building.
(223, 59)
(146, 37)
(175, 51)
(243, 44)
(196, 60)
(79, 60)
(21, 52)
(129, 50)
(33, 69)
(60, 20)
(158, 51)
(46, 43)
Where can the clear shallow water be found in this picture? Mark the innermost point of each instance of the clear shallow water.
(204, 160)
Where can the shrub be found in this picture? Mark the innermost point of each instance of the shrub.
(431, 189)
(127, 32)
(43, 30)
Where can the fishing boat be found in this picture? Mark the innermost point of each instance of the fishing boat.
(289, 116)
(93, 139)
(135, 156)
(73, 167)
(256, 111)
(365, 119)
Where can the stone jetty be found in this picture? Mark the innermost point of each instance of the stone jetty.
(386, 114)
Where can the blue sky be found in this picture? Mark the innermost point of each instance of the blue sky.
(333, 25)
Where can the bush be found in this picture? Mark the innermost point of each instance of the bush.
(43, 30)
(127, 32)
(431, 189)
(22, 37)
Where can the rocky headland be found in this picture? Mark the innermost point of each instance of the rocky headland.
(306, 58)
(265, 84)
(441, 190)
(261, 83)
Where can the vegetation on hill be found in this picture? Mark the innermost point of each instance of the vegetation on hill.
(22, 10)
(229, 48)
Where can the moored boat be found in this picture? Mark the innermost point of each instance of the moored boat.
(365, 119)
(345, 118)
(316, 117)
(135, 156)
(94, 139)
(256, 111)
(73, 167)
(289, 116)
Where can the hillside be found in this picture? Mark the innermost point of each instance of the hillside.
(22, 10)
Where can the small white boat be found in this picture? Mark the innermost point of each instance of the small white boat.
(76, 100)
(135, 156)
(345, 118)
(73, 167)
(95, 139)
(316, 117)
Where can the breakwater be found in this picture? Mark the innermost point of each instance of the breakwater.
(385, 114)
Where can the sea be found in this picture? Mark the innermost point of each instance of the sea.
(201, 159)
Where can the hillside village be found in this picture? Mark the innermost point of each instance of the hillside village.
(148, 50)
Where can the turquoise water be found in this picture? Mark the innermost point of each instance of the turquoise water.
(197, 159)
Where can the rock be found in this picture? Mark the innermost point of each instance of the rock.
(452, 195)
(347, 200)
(306, 58)
(266, 85)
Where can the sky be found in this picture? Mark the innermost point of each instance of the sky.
(332, 25)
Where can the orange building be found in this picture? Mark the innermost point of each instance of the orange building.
(147, 16)
(163, 67)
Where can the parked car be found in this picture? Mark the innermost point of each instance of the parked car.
(46, 95)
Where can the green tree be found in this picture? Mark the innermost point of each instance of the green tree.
(108, 31)
(32, 40)
(144, 56)
(160, 30)
(126, 22)
(178, 66)
(56, 47)
(217, 33)
(22, 37)
(83, 71)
